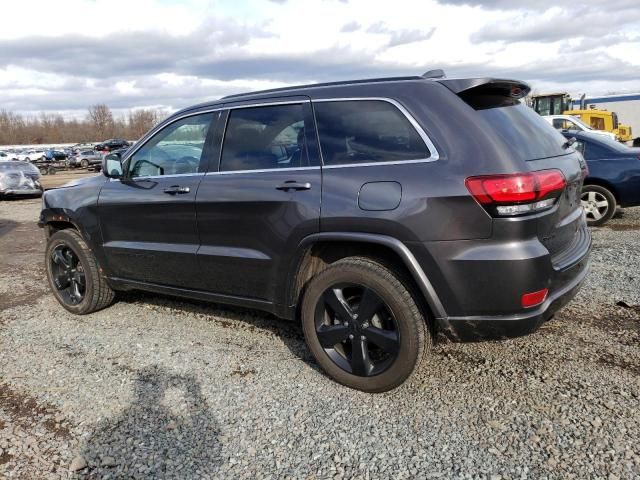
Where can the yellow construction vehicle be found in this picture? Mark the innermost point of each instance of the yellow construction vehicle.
(603, 120)
(562, 104)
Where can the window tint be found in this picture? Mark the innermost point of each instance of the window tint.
(263, 138)
(366, 131)
(174, 150)
(525, 130)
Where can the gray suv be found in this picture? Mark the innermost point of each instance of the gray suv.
(379, 213)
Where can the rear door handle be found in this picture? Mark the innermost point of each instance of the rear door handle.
(293, 185)
(176, 189)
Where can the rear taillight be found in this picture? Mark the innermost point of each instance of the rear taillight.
(518, 193)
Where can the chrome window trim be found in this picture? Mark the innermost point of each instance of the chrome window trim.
(263, 170)
(141, 143)
(267, 104)
(173, 175)
(435, 155)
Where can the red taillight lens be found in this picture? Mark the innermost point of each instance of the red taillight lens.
(534, 298)
(517, 189)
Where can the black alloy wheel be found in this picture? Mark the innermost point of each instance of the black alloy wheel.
(362, 324)
(68, 275)
(356, 329)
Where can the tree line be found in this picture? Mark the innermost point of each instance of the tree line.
(99, 124)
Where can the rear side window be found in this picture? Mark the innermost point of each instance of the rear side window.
(265, 138)
(364, 131)
(517, 124)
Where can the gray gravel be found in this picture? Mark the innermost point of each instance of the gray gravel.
(155, 387)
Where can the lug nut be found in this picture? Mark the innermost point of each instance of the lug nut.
(350, 336)
(362, 337)
(346, 324)
(365, 325)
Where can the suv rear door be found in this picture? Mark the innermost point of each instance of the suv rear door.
(261, 199)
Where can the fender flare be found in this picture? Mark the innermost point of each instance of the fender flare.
(399, 248)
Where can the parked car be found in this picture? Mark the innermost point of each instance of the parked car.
(86, 158)
(19, 178)
(30, 155)
(55, 155)
(613, 179)
(379, 227)
(570, 123)
(112, 144)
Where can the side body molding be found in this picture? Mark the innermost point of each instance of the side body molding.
(398, 247)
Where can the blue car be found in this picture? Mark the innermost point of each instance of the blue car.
(614, 176)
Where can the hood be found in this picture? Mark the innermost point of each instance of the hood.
(96, 179)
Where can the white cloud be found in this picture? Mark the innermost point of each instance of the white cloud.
(64, 56)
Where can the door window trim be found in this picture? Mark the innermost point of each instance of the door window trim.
(230, 108)
(144, 140)
(435, 155)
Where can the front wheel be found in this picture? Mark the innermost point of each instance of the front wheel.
(599, 204)
(84, 163)
(363, 326)
(73, 274)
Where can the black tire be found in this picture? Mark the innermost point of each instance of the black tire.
(52, 171)
(408, 326)
(593, 200)
(97, 294)
(84, 163)
(43, 170)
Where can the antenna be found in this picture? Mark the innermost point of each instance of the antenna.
(437, 73)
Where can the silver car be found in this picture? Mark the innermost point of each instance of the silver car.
(19, 178)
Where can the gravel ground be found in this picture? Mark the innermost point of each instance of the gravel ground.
(155, 387)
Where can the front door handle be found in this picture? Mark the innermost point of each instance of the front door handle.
(176, 189)
(293, 185)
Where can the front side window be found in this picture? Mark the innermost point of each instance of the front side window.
(364, 131)
(265, 138)
(174, 150)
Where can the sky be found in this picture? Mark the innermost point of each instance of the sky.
(65, 55)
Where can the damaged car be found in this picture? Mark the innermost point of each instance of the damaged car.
(19, 178)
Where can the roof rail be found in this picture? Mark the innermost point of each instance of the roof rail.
(327, 84)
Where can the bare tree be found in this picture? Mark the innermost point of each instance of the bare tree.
(102, 119)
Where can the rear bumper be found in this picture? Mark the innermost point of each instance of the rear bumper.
(475, 328)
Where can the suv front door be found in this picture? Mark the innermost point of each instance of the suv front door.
(148, 218)
(261, 200)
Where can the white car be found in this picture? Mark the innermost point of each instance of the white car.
(568, 123)
(30, 155)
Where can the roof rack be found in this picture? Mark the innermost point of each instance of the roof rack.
(332, 84)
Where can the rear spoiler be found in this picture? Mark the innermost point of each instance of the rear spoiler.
(511, 88)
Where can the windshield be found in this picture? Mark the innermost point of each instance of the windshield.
(522, 128)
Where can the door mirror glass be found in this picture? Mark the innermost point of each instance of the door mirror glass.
(112, 165)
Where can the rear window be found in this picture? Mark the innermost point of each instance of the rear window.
(364, 131)
(517, 124)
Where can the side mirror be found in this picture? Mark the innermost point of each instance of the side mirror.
(112, 165)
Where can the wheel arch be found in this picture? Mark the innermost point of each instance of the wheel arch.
(319, 250)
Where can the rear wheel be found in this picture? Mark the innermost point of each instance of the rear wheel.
(73, 274)
(599, 204)
(363, 326)
(84, 163)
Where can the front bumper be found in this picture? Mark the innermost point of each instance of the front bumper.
(21, 191)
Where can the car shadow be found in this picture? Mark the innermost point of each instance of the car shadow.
(6, 226)
(167, 432)
(290, 332)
